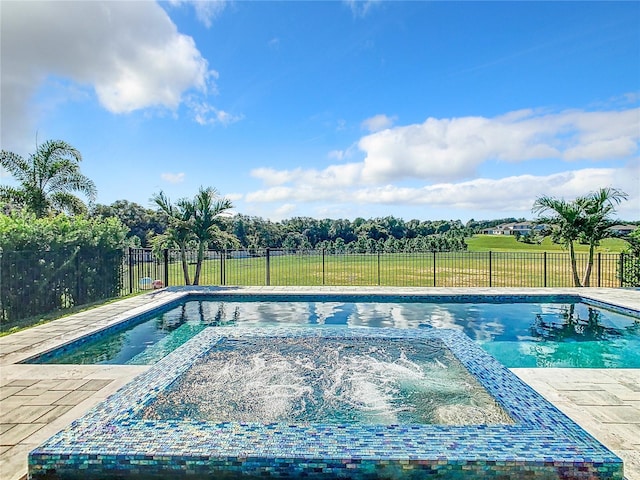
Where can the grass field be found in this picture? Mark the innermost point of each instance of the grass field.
(508, 243)
(495, 267)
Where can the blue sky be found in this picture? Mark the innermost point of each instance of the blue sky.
(428, 110)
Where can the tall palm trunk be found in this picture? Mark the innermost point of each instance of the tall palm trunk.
(185, 264)
(587, 273)
(196, 278)
(574, 267)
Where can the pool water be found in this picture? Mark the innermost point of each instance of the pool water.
(328, 380)
(518, 334)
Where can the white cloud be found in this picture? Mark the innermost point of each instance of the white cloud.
(274, 194)
(173, 177)
(513, 193)
(342, 155)
(360, 8)
(284, 211)
(444, 154)
(334, 175)
(604, 135)
(207, 114)
(272, 177)
(510, 193)
(206, 10)
(336, 154)
(129, 53)
(450, 149)
(602, 149)
(453, 149)
(378, 122)
(274, 43)
(234, 197)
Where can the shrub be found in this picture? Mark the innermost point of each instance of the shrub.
(51, 263)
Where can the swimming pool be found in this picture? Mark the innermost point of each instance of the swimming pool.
(549, 331)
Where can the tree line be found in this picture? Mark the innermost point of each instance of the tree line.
(148, 227)
(49, 179)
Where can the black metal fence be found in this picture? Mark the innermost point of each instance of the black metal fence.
(40, 282)
(278, 267)
(37, 283)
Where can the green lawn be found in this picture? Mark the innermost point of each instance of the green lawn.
(453, 269)
(510, 264)
(507, 243)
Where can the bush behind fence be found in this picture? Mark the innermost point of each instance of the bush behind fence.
(40, 282)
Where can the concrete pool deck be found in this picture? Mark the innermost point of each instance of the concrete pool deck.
(37, 401)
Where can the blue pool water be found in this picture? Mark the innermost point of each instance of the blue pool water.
(554, 334)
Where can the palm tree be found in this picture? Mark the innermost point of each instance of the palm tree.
(597, 207)
(47, 179)
(586, 218)
(179, 231)
(566, 220)
(204, 211)
(195, 220)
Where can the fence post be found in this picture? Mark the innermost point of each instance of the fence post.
(77, 267)
(268, 268)
(434, 268)
(599, 268)
(545, 268)
(130, 270)
(621, 269)
(323, 252)
(490, 285)
(378, 268)
(223, 254)
(166, 266)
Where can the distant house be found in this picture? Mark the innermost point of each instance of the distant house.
(522, 228)
(622, 230)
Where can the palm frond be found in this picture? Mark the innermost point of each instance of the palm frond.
(17, 166)
(74, 181)
(67, 203)
(12, 195)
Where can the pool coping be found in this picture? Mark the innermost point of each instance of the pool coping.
(112, 438)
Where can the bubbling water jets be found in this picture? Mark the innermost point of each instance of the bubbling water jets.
(322, 380)
(258, 387)
(371, 386)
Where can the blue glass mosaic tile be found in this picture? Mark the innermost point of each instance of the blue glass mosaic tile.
(112, 441)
